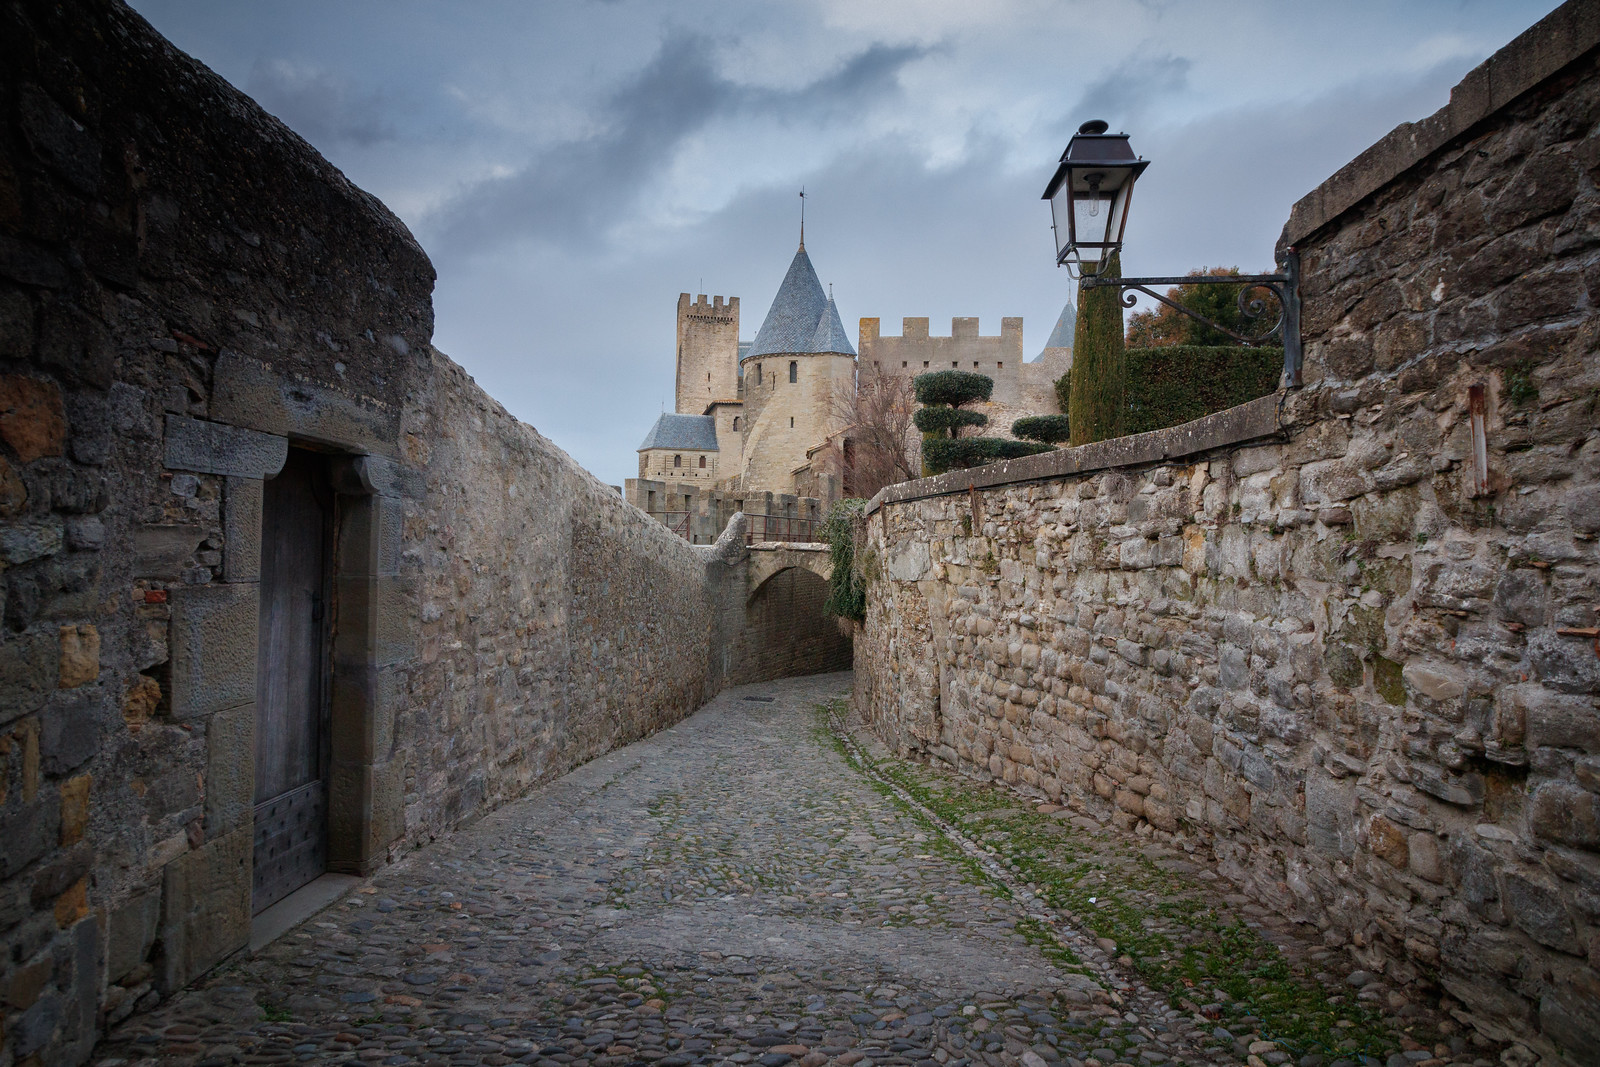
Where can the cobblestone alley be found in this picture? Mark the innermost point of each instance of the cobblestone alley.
(738, 889)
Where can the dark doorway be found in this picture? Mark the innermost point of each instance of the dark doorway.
(291, 801)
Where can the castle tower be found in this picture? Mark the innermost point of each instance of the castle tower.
(799, 374)
(708, 352)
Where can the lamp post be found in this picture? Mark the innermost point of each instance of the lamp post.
(1090, 194)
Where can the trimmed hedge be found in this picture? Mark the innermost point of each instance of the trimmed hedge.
(941, 419)
(940, 454)
(1048, 429)
(1174, 384)
(1178, 383)
(953, 387)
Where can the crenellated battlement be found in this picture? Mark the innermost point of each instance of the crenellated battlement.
(715, 308)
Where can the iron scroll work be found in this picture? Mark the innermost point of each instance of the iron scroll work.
(1285, 286)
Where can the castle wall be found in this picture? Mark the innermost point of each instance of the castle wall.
(186, 290)
(708, 352)
(1020, 388)
(787, 418)
(657, 463)
(1347, 645)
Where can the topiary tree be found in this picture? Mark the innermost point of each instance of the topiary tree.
(943, 448)
(1098, 381)
(1046, 429)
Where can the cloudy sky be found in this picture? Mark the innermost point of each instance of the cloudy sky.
(571, 167)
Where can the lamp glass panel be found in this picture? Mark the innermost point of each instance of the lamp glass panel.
(1061, 217)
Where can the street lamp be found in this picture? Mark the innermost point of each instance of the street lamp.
(1089, 196)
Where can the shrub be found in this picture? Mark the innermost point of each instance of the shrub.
(1177, 383)
(952, 387)
(940, 454)
(1098, 398)
(1046, 429)
(847, 591)
(941, 420)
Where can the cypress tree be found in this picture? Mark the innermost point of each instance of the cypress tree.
(1098, 382)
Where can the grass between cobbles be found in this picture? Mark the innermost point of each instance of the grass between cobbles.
(1205, 958)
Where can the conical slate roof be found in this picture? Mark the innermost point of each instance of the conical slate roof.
(830, 335)
(792, 320)
(1066, 326)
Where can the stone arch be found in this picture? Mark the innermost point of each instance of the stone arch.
(787, 632)
(765, 563)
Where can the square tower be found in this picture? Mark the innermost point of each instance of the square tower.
(708, 352)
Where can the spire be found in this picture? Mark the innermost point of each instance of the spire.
(795, 311)
(1062, 335)
(802, 218)
(830, 335)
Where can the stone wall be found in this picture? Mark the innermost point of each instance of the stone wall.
(186, 291)
(1348, 646)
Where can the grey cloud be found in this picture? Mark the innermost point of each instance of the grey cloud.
(1127, 93)
(571, 193)
(320, 107)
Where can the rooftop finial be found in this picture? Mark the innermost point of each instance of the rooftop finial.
(802, 218)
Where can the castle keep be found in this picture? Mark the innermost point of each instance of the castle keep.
(753, 421)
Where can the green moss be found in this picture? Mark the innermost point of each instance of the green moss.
(1520, 388)
(1387, 680)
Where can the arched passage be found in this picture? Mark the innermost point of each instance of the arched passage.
(787, 632)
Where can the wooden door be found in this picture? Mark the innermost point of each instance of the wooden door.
(291, 802)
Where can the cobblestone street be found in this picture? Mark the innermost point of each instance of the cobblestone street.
(734, 888)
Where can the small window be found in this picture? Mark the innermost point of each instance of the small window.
(924, 364)
(758, 374)
(876, 364)
(702, 461)
(794, 371)
(999, 366)
(791, 422)
(974, 364)
(708, 376)
(955, 363)
(903, 363)
(677, 461)
(736, 423)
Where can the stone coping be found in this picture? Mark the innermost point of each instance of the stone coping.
(1539, 52)
(1243, 422)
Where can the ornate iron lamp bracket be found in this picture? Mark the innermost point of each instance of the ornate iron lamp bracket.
(1285, 286)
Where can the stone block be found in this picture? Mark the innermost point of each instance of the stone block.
(166, 550)
(29, 670)
(1556, 719)
(33, 420)
(70, 730)
(131, 931)
(80, 655)
(1569, 1014)
(230, 770)
(29, 830)
(241, 530)
(247, 392)
(370, 538)
(1565, 813)
(24, 542)
(214, 641)
(1330, 809)
(215, 448)
(205, 908)
(1436, 681)
(1534, 900)
(75, 808)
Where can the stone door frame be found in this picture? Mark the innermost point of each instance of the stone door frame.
(205, 913)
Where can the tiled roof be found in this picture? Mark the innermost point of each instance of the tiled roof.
(796, 310)
(697, 432)
(1066, 325)
(830, 335)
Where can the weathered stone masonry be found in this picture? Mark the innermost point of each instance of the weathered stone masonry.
(187, 291)
(1317, 640)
